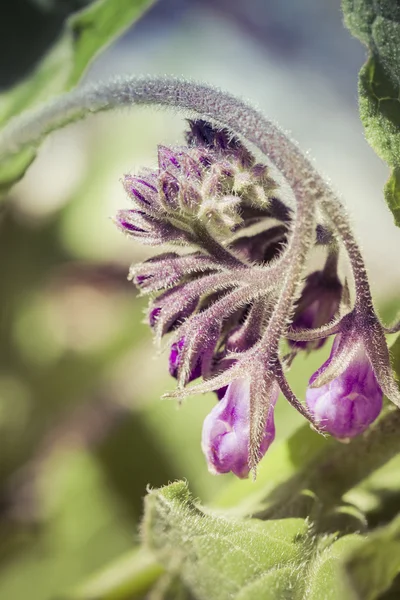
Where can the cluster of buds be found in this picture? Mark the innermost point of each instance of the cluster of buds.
(235, 282)
(220, 291)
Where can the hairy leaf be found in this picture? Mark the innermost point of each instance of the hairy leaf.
(377, 24)
(86, 33)
(374, 564)
(241, 559)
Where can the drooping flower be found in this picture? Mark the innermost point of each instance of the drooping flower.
(226, 430)
(349, 403)
(221, 298)
(206, 197)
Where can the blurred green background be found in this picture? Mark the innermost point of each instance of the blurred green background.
(82, 429)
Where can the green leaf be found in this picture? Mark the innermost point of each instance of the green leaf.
(373, 566)
(377, 24)
(325, 574)
(392, 194)
(86, 33)
(217, 557)
(241, 559)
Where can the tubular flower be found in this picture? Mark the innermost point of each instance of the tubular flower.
(350, 402)
(226, 430)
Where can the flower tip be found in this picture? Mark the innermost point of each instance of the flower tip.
(347, 405)
(226, 431)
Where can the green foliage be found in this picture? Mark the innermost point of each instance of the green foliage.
(220, 558)
(217, 557)
(86, 33)
(377, 24)
(372, 568)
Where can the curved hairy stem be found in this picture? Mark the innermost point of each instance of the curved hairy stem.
(309, 335)
(291, 397)
(336, 213)
(211, 104)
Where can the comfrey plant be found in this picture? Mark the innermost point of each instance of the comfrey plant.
(244, 208)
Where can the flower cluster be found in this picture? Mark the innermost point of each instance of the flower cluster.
(233, 281)
(233, 288)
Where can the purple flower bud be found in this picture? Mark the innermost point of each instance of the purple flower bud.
(169, 191)
(176, 312)
(347, 405)
(156, 273)
(190, 197)
(175, 359)
(150, 230)
(153, 316)
(168, 269)
(142, 190)
(192, 165)
(140, 279)
(203, 133)
(169, 159)
(318, 304)
(226, 430)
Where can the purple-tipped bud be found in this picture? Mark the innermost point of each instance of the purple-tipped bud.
(152, 231)
(346, 406)
(169, 191)
(168, 269)
(155, 273)
(175, 360)
(193, 354)
(169, 159)
(153, 316)
(143, 191)
(175, 357)
(172, 312)
(226, 431)
(318, 304)
(204, 134)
